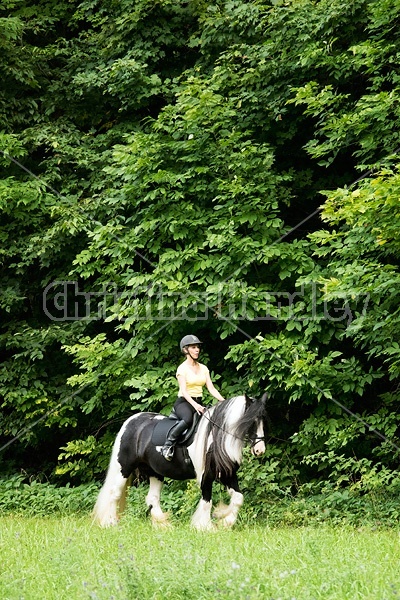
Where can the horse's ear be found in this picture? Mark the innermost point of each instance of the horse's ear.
(264, 398)
(248, 400)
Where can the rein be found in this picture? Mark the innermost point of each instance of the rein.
(253, 440)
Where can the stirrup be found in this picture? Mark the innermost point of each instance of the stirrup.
(168, 452)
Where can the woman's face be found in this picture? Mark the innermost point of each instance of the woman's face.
(194, 350)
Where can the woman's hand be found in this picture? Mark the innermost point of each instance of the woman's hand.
(199, 409)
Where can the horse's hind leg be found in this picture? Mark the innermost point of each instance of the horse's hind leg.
(227, 514)
(122, 501)
(111, 499)
(158, 517)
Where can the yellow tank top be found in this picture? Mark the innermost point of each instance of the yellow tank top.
(194, 381)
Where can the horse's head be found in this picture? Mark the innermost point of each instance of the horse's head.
(256, 432)
(258, 441)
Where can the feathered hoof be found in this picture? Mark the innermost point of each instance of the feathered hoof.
(105, 523)
(221, 511)
(161, 521)
(227, 522)
(209, 527)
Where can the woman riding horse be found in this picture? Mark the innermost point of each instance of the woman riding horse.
(215, 454)
(192, 377)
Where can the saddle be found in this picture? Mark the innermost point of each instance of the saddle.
(163, 427)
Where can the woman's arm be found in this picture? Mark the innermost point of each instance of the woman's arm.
(182, 386)
(212, 389)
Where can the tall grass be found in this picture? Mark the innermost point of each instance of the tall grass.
(69, 558)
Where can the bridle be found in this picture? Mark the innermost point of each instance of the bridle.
(256, 439)
(253, 439)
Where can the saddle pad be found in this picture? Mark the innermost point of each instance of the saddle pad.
(161, 431)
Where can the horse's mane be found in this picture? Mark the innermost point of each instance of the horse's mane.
(229, 424)
(254, 412)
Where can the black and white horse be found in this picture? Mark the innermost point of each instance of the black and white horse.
(215, 454)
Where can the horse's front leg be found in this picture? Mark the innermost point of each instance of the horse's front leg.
(227, 514)
(158, 517)
(201, 519)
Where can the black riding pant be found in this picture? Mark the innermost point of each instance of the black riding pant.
(184, 410)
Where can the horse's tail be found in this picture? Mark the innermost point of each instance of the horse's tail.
(112, 496)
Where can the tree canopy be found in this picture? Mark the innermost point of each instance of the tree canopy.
(227, 169)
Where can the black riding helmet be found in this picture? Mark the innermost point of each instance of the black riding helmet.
(188, 340)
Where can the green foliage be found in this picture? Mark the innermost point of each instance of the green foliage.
(332, 507)
(375, 504)
(19, 497)
(155, 157)
(366, 261)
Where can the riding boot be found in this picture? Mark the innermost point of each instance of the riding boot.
(168, 449)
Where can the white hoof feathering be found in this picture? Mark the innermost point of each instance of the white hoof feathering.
(201, 519)
(105, 510)
(161, 521)
(228, 514)
(221, 511)
(158, 517)
(229, 521)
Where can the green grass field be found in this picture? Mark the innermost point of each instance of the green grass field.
(69, 558)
